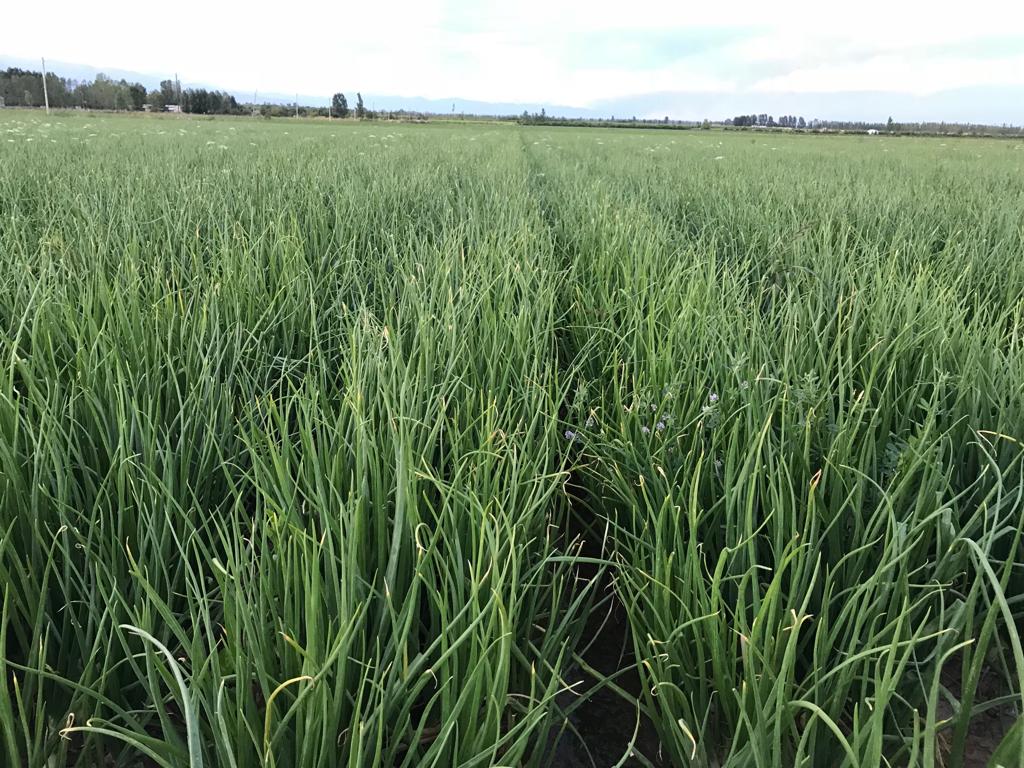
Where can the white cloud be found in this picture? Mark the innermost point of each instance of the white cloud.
(501, 51)
(904, 74)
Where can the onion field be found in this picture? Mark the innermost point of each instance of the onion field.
(336, 443)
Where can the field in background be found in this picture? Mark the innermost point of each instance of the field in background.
(323, 443)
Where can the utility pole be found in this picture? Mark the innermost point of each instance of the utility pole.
(46, 94)
(296, 105)
(255, 98)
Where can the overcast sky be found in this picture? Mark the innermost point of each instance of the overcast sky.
(580, 53)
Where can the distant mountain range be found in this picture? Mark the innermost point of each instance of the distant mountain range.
(996, 105)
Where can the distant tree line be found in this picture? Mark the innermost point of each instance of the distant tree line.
(543, 118)
(200, 101)
(590, 122)
(764, 120)
(941, 128)
(767, 121)
(861, 126)
(24, 88)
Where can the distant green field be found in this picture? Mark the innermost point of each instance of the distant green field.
(322, 443)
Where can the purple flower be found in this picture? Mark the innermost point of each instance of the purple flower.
(713, 397)
(660, 426)
(645, 429)
(570, 435)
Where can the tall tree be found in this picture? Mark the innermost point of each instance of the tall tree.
(197, 101)
(360, 109)
(155, 99)
(168, 91)
(136, 96)
(103, 93)
(339, 105)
